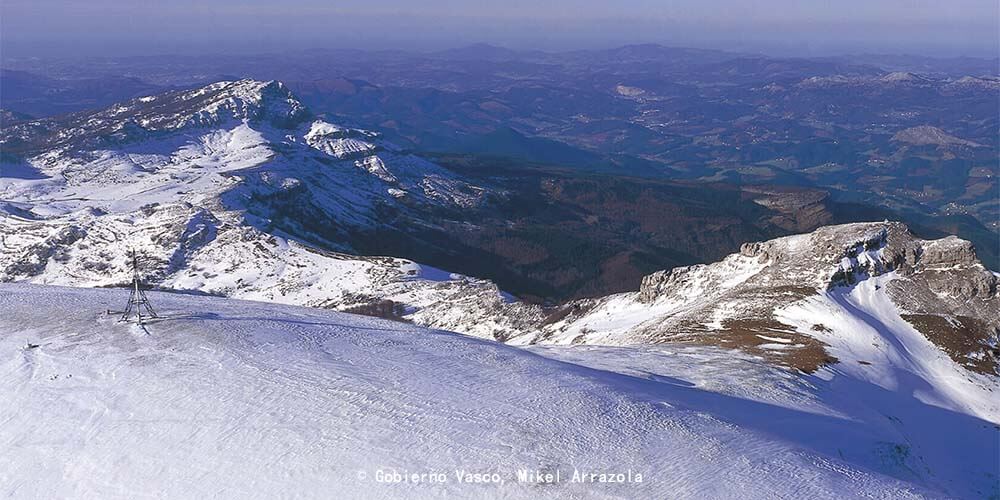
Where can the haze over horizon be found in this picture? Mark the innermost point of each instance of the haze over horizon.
(776, 27)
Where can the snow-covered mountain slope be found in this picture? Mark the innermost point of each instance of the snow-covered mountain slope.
(240, 138)
(232, 189)
(869, 300)
(749, 293)
(230, 399)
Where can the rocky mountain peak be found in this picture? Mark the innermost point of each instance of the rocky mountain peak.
(797, 289)
(901, 77)
(268, 103)
(252, 100)
(845, 254)
(926, 135)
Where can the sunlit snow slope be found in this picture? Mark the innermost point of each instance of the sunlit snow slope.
(251, 400)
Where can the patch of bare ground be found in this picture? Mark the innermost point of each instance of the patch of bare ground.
(574, 309)
(794, 291)
(965, 339)
(386, 309)
(768, 338)
(782, 293)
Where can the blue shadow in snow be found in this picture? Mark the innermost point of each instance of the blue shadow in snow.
(21, 170)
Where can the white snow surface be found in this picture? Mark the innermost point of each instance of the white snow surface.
(873, 343)
(233, 399)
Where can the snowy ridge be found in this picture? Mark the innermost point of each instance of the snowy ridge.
(867, 299)
(872, 342)
(230, 189)
(338, 142)
(900, 79)
(192, 249)
(222, 104)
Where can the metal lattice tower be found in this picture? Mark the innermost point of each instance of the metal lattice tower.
(137, 297)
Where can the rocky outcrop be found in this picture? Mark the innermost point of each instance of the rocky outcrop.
(218, 104)
(940, 285)
(656, 284)
(924, 135)
(32, 260)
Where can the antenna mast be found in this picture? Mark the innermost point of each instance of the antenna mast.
(137, 296)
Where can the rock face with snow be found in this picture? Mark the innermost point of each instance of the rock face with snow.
(973, 83)
(219, 104)
(927, 135)
(894, 81)
(876, 277)
(232, 189)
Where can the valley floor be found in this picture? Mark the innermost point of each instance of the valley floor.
(236, 399)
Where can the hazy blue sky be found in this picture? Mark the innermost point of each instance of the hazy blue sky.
(939, 27)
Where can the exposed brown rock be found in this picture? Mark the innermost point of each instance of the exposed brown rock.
(966, 340)
(800, 352)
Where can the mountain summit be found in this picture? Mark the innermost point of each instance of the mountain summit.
(220, 104)
(846, 294)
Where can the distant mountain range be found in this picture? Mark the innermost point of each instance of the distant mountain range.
(688, 114)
